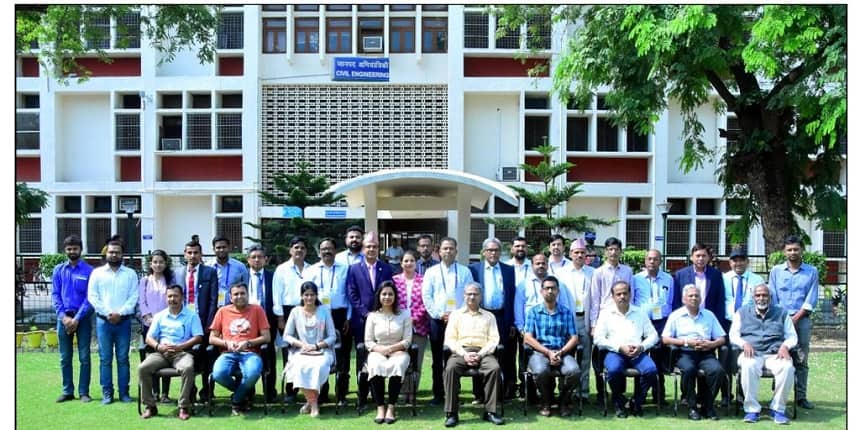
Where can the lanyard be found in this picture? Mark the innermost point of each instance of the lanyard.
(456, 278)
(331, 281)
(552, 269)
(227, 278)
(298, 273)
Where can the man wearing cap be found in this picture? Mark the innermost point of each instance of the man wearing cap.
(578, 281)
(739, 282)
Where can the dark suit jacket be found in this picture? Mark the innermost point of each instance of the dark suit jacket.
(508, 289)
(360, 291)
(268, 304)
(715, 301)
(206, 294)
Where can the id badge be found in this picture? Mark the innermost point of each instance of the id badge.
(220, 298)
(656, 312)
(191, 307)
(578, 304)
(325, 299)
(451, 304)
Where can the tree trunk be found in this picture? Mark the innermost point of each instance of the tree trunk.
(767, 188)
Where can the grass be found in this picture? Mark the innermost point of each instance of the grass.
(38, 384)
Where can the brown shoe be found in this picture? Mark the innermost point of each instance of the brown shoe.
(149, 412)
(544, 411)
(183, 414)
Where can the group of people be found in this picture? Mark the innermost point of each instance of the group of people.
(482, 319)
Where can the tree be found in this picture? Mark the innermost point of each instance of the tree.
(60, 34)
(780, 68)
(299, 190)
(27, 201)
(550, 197)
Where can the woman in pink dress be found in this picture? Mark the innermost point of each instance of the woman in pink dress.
(408, 284)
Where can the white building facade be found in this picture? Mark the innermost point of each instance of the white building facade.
(194, 143)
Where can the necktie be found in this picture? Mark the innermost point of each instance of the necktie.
(261, 289)
(372, 274)
(739, 294)
(191, 286)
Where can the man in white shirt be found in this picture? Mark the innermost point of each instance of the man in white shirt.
(578, 280)
(443, 292)
(626, 332)
(286, 284)
(557, 261)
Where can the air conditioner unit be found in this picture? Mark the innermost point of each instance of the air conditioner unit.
(371, 44)
(171, 144)
(509, 174)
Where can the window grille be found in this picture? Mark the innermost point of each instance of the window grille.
(127, 132)
(230, 131)
(30, 236)
(65, 228)
(122, 230)
(98, 30)
(231, 228)
(607, 135)
(539, 34)
(230, 31)
(128, 30)
(26, 131)
(834, 243)
(511, 39)
(677, 237)
(476, 30)
(708, 233)
(638, 233)
(199, 131)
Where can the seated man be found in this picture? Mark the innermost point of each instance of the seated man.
(172, 333)
(239, 329)
(472, 336)
(626, 332)
(699, 334)
(551, 331)
(766, 334)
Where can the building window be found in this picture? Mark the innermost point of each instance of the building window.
(707, 206)
(199, 131)
(127, 132)
(370, 8)
(368, 27)
(506, 236)
(30, 236)
(677, 237)
(511, 39)
(638, 233)
(577, 134)
(98, 231)
(306, 7)
(231, 204)
(607, 135)
(536, 131)
(274, 8)
(539, 33)
(26, 131)
(128, 31)
(708, 232)
(338, 8)
(476, 30)
(480, 231)
(65, 228)
(434, 35)
(229, 131)
(401, 7)
(122, 229)
(338, 35)
(230, 31)
(274, 35)
(98, 32)
(231, 228)
(402, 32)
(307, 35)
(636, 142)
(834, 243)
(434, 7)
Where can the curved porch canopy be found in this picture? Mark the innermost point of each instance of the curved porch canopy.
(418, 189)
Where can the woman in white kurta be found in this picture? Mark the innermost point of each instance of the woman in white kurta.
(387, 336)
(311, 336)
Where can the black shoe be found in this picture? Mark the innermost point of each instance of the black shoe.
(712, 415)
(493, 418)
(694, 415)
(65, 398)
(452, 420)
(805, 404)
(620, 412)
(436, 401)
(289, 399)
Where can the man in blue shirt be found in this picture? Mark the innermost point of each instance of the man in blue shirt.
(551, 331)
(795, 287)
(699, 334)
(230, 270)
(172, 333)
(654, 292)
(74, 317)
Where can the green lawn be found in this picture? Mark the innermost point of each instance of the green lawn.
(38, 384)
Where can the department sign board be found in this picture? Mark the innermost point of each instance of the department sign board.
(360, 69)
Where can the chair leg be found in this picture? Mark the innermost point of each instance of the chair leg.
(675, 397)
(211, 397)
(414, 376)
(139, 395)
(657, 393)
(526, 377)
(605, 392)
(265, 392)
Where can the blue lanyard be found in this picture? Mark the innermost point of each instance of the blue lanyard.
(227, 278)
(456, 277)
(331, 281)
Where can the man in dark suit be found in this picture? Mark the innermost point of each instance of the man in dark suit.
(260, 293)
(362, 280)
(708, 279)
(201, 295)
(498, 282)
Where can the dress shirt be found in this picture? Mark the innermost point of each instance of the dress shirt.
(751, 280)
(795, 291)
(172, 329)
(257, 288)
(228, 274)
(113, 291)
(601, 286)
(789, 333)
(331, 283)
(421, 266)
(701, 284)
(286, 285)
(444, 286)
(554, 268)
(615, 329)
(493, 294)
(521, 271)
(471, 329)
(551, 330)
(347, 258)
(703, 326)
(654, 295)
(529, 295)
(578, 283)
(70, 289)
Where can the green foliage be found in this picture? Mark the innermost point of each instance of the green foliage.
(47, 262)
(27, 201)
(781, 69)
(635, 258)
(242, 258)
(62, 32)
(812, 258)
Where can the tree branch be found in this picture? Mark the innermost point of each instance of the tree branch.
(722, 89)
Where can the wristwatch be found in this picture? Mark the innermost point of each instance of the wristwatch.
(686, 345)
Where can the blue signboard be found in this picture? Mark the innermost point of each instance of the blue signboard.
(335, 213)
(292, 212)
(360, 69)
